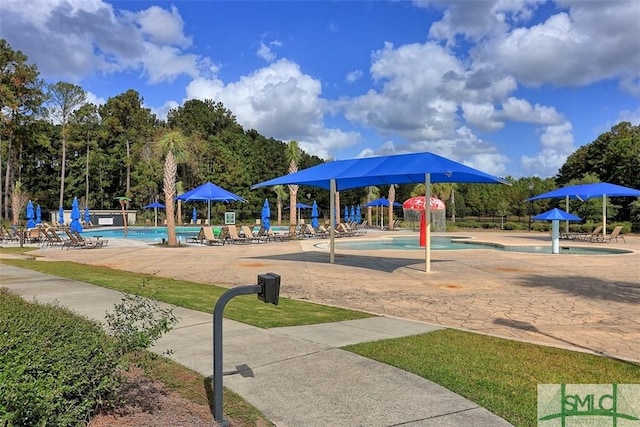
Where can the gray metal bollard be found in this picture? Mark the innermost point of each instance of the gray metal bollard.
(268, 290)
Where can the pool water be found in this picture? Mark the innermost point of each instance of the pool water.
(448, 243)
(155, 234)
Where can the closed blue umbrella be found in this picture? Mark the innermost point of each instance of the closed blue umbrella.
(265, 215)
(38, 215)
(358, 214)
(346, 214)
(194, 215)
(352, 215)
(30, 215)
(75, 216)
(314, 215)
(87, 217)
(61, 215)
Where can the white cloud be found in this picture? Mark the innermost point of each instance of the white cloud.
(90, 36)
(353, 76)
(557, 145)
(92, 98)
(278, 101)
(163, 27)
(522, 111)
(591, 41)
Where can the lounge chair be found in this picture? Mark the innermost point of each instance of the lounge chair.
(248, 233)
(97, 242)
(234, 236)
(210, 238)
(292, 233)
(33, 235)
(593, 236)
(51, 238)
(197, 239)
(615, 234)
(78, 242)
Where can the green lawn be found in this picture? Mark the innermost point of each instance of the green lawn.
(196, 296)
(498, 374)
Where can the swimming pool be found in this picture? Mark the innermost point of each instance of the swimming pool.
(449, 243)
(155, 234)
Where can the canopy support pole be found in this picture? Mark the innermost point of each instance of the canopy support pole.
(332, 219)
(427, 219)
(566, 205)
(604, 214)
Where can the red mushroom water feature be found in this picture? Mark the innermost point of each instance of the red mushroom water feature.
(418, 204)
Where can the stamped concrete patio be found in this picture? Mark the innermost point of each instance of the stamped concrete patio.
(583, 302)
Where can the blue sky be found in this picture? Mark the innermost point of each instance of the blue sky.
(509, 87)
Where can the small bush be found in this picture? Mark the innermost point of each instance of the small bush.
(57, 367)
(513, 226)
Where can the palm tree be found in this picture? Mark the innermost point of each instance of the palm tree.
(373, 193)
(179, 191)
(392, 199)
(281, 195)
(173, 144)
(293, 155)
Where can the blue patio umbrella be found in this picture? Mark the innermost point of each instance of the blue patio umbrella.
(555, 215)
(314, 215)
(30, 215)
(209, 192)
(358, 214)
(61, 215)
(38, 215)
(155, 206)
(381, 202)
(194, 215)
(590, 191)
(87, 216)
(75, 216)
(300, 206)
(352, 214)
(346, 214)
(265, 215)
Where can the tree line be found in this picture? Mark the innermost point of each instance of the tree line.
(55, 146)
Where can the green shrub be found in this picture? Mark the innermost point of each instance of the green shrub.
(513, 226)
(56, 367)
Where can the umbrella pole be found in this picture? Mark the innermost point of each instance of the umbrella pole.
(332, 218)
(604, 214)
(156, 215)
(427, 218)
(566, 205)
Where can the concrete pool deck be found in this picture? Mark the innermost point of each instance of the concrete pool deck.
(582, 302)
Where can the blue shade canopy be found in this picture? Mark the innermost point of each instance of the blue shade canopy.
(154, 205)
(556, 214)
(75, 216)
(300, 205)
(376, 171)
(208, 192)
(589, 191)
(381, 202)
(30, 215)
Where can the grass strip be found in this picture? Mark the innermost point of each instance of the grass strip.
(195, 296)
(498, 374)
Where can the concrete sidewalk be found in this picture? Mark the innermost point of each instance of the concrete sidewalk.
(297, 376)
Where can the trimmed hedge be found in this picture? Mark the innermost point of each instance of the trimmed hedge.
(56, 367)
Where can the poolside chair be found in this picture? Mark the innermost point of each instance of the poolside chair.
(292, 233)
(51, 238)
(76, 241)
(89, 241)
(234, 236)
(593, 236)
(33, 235)
(248, 233)
(197, 239)
(615, 234)
(210, 238)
